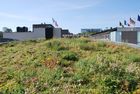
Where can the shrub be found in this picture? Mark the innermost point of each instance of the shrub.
(134, 57)
(64, 63)
(53, 44)
(11, 44)
(87, 47)
(113, 85)
(84, 69)
(56, 45)
(84, 40)
(70, 56)
(12, 87)
(52, 77)
(101, 44)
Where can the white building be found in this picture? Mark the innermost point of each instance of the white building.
(120, 34)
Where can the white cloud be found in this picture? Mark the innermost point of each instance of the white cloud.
(74, 5)
(17, 17)
(51, 9)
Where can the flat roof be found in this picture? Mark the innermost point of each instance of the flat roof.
(128, 28)
(124, 29)
(104, 31)
(43, 26)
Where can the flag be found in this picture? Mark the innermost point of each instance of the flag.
(55, 22)
(125, 22)
(132, 21)
(138, 18)
(121, 24)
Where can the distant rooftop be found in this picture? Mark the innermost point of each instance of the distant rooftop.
(124, 29)
(91, 30)
(128, 28)
(43, 25)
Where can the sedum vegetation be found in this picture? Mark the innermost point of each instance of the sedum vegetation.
(69, 66)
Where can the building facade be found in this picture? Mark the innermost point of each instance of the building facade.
(40, 31)
(125, 34)
(92, 30)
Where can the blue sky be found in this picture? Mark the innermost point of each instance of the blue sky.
(71, 14)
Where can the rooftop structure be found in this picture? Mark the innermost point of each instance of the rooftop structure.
(91, 30)
(43, 25)
(120, 34)
(22, 29)
(40, 31)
